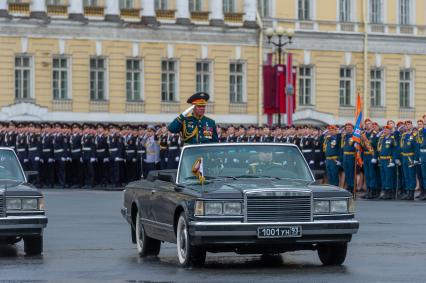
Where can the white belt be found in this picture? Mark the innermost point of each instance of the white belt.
(20, 149)
(100, 150)
(46, 150)
(75, 150)
(32, 148)
(58, 150)
(423, 150)
(87, 148)
(317, 150)
(141, 151)
(173, 147)
(113, 149)
(307, 150)
(130, 151)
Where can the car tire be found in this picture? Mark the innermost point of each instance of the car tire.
(146, 245)
(33, 245)
(187, 255)
(332, 254)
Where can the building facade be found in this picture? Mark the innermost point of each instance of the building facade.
(138, 60)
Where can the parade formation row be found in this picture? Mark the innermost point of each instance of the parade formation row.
(88, 155)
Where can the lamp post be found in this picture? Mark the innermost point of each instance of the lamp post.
(284, 37)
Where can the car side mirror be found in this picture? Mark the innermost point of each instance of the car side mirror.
(318, 174)
(31, 176)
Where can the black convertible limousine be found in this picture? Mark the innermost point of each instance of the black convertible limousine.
(252, 198)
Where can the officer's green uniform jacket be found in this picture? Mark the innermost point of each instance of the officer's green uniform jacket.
(194, 130)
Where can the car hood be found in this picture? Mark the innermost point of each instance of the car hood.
(17, 188)
(230, 188)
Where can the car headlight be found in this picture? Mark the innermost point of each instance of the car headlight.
(213, 208)
(29, 204)
(339, 206)
(13, 204)
(321, 206)
(232, 208)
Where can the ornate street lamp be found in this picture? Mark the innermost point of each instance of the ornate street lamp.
(284, 37)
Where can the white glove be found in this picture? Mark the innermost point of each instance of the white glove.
(166, 159)
(420, 159)
(106, 159)
(236, 160)
(134, 160)
(311, 162)
(398, 162)
(81, 159)
(26, 160)
(69, 159)
(36, 158)
(117, 159)
(391, 165)
(50, 160)
(63, 159)
(92, 159)
(374, 160)
(321, 163)
(416, 162)
(177, 158)
(187, 111)
(41, 161)
(338, 163)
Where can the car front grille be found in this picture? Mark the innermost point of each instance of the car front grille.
(2, 204)
(278, 206)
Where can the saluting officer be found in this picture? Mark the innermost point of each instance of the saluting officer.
(195, 127)
(331, 149)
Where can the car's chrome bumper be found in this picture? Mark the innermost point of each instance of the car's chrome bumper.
(22, 225)
(216, 233)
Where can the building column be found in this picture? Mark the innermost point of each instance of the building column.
(148, 12)
(183, 15)
(216, 13)
(4, 8)
(250, 10)
(76, 11)
(38, 9)
(112, 13)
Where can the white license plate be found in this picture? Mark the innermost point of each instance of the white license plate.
(279, 232)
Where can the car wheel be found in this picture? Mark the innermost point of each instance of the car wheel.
(33, 245)
(332, 254)
(188, 255)
(146, 245)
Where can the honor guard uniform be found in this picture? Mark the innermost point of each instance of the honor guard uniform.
(47, 160)
(419, 172)
(131, 158)
(195, 128)
(10, 137)
(421, 141)
(231, 134)
(141, 151)
(241, 134)
(116, 156)
(60, 154)
(163, 140)
(34, 151)
(21, 148)
(252, 137)
(88, 156)
(174, 151)
(318, 153)
(347, 156)
(370, 162)
(306, 145)
(387, 150)
(76, 171)
(266, 137)
(408, 147)
(331, 149)
(102, 164)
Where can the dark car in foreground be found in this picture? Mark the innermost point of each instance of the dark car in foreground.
(252, 198)
(22, 215)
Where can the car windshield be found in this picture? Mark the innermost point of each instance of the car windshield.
(243, 161)
(9, 166)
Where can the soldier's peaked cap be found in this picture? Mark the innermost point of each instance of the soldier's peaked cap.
(199, 98)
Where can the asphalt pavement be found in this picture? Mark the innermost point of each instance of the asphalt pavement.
(87, 240)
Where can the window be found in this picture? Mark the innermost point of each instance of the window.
(345, 10)
(203, 76)
(126, 4)
(23, 69)
(376, 11)
(54, 2)
(168, 80)
(376, 84)
(304, 7)
(195, 5)
(346, 86)
(161, 4)
(97, 78)
(60, 78)
(133, 79)
(90, 3)
(405, 89)
(305, 85)
(404, 12)
(229, 6)
(236, 82)
(264, 8)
